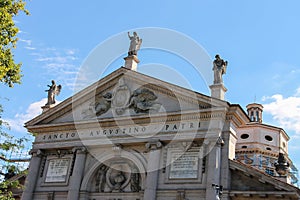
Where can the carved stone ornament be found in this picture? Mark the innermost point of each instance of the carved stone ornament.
(141, 100)
(118, 177)
(282, 166)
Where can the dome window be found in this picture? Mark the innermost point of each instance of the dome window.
(269, 138)
(244, 136)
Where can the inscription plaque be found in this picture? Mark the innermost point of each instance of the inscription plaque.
(57, 170)
(184, 165)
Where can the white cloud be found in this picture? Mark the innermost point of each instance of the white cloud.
(33, 110)
(30, 48)
(59, 63)
(28, 42)
(286, 111)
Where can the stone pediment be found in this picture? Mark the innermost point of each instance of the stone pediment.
(125, 93)
(249, 182)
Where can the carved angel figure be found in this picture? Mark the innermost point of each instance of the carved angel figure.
(135, 44)
(219, 69)
(52, 91)
(142, 100)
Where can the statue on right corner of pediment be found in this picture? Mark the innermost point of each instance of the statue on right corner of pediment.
(219, 68)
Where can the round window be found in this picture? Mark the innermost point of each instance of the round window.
(269, 138)
(244, 136)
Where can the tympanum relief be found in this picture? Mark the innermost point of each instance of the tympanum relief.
(121, 99)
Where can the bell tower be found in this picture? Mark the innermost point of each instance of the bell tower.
(255, 112)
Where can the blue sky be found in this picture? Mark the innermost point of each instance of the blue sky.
(260, 40)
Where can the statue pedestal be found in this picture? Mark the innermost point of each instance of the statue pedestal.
(131, 62)
(47, 107)
(218, 91)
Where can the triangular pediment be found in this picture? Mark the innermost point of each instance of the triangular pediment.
(126, 93)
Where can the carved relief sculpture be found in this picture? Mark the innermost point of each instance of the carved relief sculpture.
(101, 179)
(117, 180)
(141, 100)
(135, 181)
(120, 97)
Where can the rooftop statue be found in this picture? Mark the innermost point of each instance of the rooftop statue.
(52, 91)
(219, 69)
(135, 44)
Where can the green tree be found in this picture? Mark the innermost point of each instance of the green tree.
(10, 71)
(8, 168)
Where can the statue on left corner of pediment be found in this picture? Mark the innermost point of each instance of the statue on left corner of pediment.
(53, 91)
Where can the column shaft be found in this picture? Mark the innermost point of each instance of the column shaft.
(32, 175)
(76, 178)
(152, 172)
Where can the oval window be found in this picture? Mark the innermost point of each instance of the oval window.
(244, 136)
(269, 138)
(244, 147)
(269, 149)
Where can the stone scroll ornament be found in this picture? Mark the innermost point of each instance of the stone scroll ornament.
(141, 100)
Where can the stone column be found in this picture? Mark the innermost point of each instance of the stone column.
(214, 169)
(32, 175)
(154, 148)
(77, 173)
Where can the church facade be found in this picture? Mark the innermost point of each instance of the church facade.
(133, 137)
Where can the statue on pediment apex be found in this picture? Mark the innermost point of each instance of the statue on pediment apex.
(135, 44)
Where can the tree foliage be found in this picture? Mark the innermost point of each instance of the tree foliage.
(10, 71)
(8, 144)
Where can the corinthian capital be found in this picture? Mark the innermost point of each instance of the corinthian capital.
(153, 145)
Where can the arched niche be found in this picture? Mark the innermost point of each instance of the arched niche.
(128, 160)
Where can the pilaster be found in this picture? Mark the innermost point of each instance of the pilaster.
(32, 175)
(214, 170)
(154, 148)
(77, 173)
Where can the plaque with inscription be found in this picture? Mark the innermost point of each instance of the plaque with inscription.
(57, 170)
(184, 165)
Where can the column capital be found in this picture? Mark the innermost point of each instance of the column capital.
(220, 141)
(153, 145)
(36, 153)
(79, 150)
